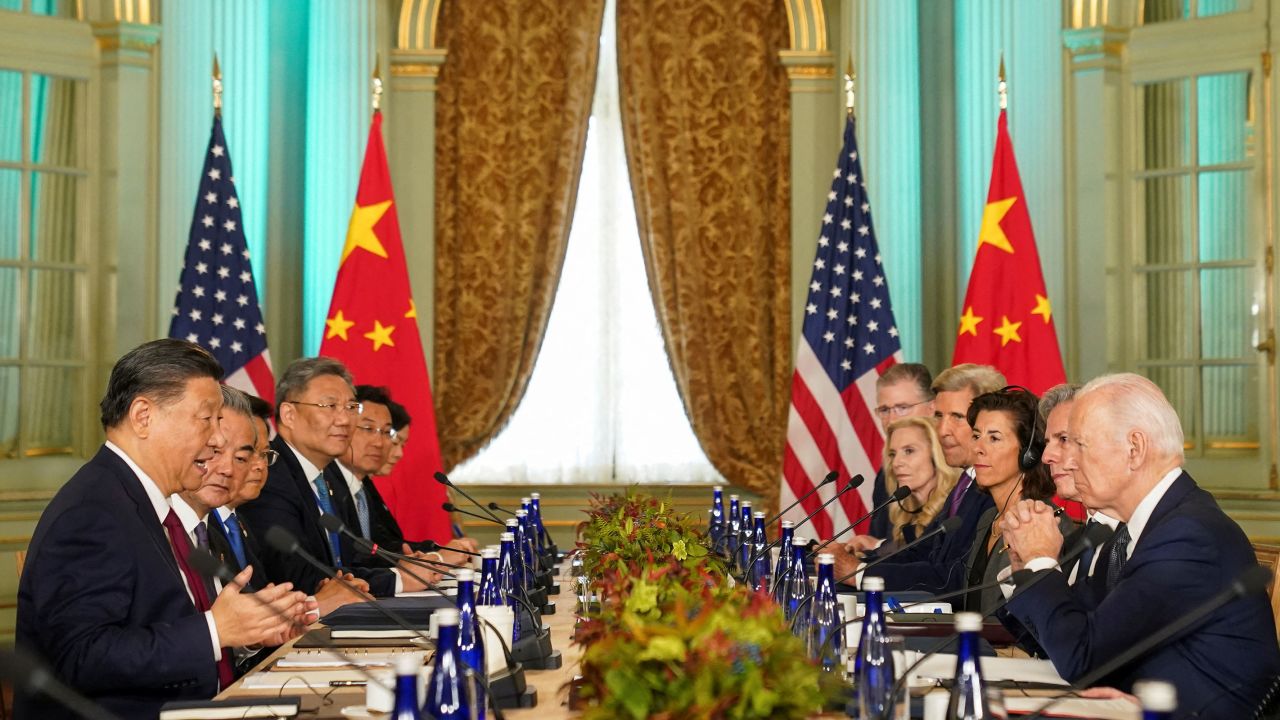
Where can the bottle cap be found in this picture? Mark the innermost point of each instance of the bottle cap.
(512, 522)
(535, 496)
(464, 575)
(745, 504)
(1156, 695)
(873, 583)
(797, 540)
(826, 559)
(408, 663)
(759, 515)
(733, 497)
(717, 488)
(491, 552)
(967, 622)
(520, 514)
(446, 617)
(507, 537)
(788, 524)
(526, 500)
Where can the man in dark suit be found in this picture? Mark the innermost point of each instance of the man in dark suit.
(902, 391)
(1175, 550)
(107, 596)
(316, 411)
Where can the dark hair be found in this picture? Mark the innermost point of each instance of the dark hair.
(1022, 407)
(374, 394)
(158, 370)
(300, 373)
(914, 373)
(399, 416)
(261, 408)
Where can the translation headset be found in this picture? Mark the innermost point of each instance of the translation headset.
(1033, 446)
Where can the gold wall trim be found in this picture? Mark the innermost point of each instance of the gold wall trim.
(419, 21)
(807, 23)
(26, 495)
(414, 70)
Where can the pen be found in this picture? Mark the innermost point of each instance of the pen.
(346, 683)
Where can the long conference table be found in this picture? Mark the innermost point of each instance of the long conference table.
(553, 686)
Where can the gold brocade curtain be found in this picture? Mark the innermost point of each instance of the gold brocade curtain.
(705, 116)
(512, 108)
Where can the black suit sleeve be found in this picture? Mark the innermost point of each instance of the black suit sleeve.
(278, 504)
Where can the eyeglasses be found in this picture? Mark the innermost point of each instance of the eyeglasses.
(389, 433)
(897, 410)
(269, 456)
(353, 407)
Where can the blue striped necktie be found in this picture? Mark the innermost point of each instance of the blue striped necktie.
(322, 497)
(232, 527)
(362, 511)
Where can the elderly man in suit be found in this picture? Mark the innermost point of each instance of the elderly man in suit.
(108, 596)
(1174, 550)
(316, 412)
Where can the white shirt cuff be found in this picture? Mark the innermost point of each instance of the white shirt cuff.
(399, 580)
(213, 635)
(1005, 577)
(1041, 563)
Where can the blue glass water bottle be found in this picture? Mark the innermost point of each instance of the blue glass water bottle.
(1158, 698)
(744, 541)
(489, 593)
(796, 609)
(784, 562)
(715, 526)
(733, 529)
(519, 581)
(535, 504)
(448, 696)
(470, 639)
(873, 666)
(969, 694)
(406, 705)
(826, 631)
(508, 580)
(528, 550)
(758, 576)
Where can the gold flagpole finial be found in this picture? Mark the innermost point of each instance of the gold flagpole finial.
(850, 80)
(376, 83)
(217, 86)
(1003, 87)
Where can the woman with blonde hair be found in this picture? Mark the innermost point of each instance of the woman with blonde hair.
(912, 458)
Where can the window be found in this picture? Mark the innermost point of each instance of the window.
(602, 405)
(44, 272)
(1199, 288)
(1155, 11)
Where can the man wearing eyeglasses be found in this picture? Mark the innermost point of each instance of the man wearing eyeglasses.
(902, 391)
(316, 415)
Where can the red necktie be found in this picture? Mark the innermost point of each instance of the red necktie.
(181, 549)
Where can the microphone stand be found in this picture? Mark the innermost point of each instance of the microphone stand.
(450, 507)
(31, 675)
(946, 527)
(854, 482)
(899, 494)
(444, 480)
(830, 478)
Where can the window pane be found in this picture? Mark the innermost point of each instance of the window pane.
(52, 327)
(1168, 218)
(1205, 8)
(48, 409)
(1179, 385)
(1227, 309)
(1223, 134)
(1166, 124)
(1231, 407)
(9, 404)
(10, 115)
(1164, 10)
(59, 8)
(10, 215)
(1166, 321)
(55, 121)
(54, 215)
(9, 309)
(1224, 215)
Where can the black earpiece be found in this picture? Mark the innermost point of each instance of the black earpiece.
(1033, 446)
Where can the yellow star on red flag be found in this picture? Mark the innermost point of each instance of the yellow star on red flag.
(360, 232)
(338, 326)
(969, 322)
(381, 335)
(1008, 331)
(1042, 308)
(992, 233)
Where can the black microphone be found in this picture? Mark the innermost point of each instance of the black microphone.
(333, 523)
(949, 525)
(444, 480)
(900, 494)
(450, 507)
(830, 478)
(1253, 580)
(499, 508)
(854, 482)
(30, 675)
(433, 546)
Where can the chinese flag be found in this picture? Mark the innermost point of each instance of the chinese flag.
(1007, 321)
(372, 327)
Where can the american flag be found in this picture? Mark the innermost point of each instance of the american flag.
(849, 339)
(217, 303)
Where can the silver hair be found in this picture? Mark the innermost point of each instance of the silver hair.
(238, 402)
(1132, 402)
(300, 373)
(1055, 396)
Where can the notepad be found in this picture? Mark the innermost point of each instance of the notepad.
(269, 707)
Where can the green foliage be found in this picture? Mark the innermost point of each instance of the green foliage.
(672, 639)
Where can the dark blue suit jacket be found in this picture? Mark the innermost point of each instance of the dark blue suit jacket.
(1188, 552)
(938, 566)
(881, 527)
(287, 500)
(102, 600)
